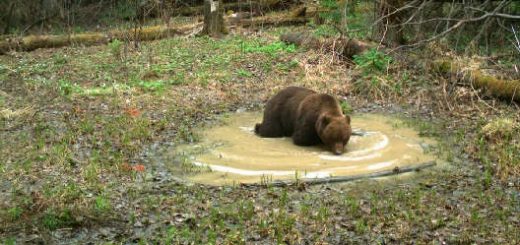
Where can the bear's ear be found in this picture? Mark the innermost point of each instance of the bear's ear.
(325, 119)
(322, 122)
(347, 118)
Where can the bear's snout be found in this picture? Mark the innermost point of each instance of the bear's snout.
(338, 149)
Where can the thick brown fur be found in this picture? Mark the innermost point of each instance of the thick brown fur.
(306, 116)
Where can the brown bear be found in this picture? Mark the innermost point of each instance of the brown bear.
(306, 116)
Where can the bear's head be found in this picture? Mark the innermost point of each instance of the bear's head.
(334, 131)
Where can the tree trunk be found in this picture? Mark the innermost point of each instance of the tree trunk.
(213, 18)
(8, 18)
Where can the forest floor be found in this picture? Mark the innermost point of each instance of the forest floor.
(82, 130)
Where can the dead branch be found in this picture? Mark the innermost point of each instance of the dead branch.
(338, 179)
(517, 44)
(461, 21)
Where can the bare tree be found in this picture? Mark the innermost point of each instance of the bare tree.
(413, 23)
(213, 18)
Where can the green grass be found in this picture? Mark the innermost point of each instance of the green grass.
(375, 81)
(54, 219)
(272, 49)
(115, 48)
(14, 213)
(102, 204)
(244, 73)
(287, 66)
(497, 144)
(325, 31)
(10, 241)
(173, 61)
(359, 15)
(372, 61)
(346, 108)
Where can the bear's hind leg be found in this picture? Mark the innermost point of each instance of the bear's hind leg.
(270, 130)
(257, 128)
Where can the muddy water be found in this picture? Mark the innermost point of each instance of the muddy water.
(236, 155)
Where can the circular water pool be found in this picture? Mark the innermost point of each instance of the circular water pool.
(234, 154)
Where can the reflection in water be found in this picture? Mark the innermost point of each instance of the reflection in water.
(241, 156)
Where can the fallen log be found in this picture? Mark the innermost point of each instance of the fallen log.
(337, 179)
(33, 42)
(256, 6)
(503, 89)
(264, 21)
(296, 16)
(345, 47)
